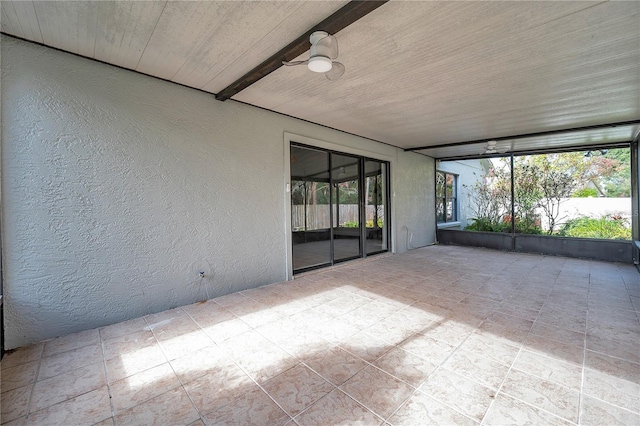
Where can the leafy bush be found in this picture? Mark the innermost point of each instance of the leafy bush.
(368, 224)
(523, 226)
(528, 226)
(605, 227)
(485, 225)
(585, 193)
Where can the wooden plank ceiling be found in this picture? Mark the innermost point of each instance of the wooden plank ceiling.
(418, 73)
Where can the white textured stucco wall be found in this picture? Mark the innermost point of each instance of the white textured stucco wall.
(117, 188)
(414, 225)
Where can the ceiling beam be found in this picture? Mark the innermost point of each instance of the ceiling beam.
(347, 15)
(559, 149)
(528, 135)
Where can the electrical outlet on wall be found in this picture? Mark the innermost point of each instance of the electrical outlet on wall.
(200, 279)
(200, 272)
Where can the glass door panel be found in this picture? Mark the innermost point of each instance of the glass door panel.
(345, 178)
(376, 225)
(339, 207)
(310, 208)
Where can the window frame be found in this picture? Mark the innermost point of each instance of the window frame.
(362, 203)
(446, 198)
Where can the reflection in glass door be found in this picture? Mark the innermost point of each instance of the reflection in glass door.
(376, 227)
(339, 207)
(310, 208)
(345, 178)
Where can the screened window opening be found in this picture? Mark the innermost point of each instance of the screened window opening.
(446, 197)
(575, 194)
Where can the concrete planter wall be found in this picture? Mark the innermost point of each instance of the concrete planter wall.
(492, 240)
(585, 248)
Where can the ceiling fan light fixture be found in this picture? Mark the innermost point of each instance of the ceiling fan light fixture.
(322, 56)
(491, 148)
(320, 64)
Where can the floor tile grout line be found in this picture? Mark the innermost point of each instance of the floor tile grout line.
(200, 415)
(337, 389)
(337, 344)
(546, 378)
(231, 357)
(37, 374)
(115, 418)
(584, 370)
(584, 353)
(614, 357)
(538, 409)
(414, 387)
(613, 405)
(106, 378)
(203, 416)
(418, 391)
(503, 380)
(441, 366)
(384, 419)
(511, 367)
(306, 408)
(584, 359)
(35, 382)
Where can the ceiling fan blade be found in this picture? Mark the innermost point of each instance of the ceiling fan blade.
(336, 71)
(294, 63)
(328, 46)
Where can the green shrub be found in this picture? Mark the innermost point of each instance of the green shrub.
(528, 226)
(605, 227)
(585, 193)
(483, 225)
(523, 226)
(486, 225)
(368, 224)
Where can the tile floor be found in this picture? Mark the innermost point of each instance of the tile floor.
(443, 335)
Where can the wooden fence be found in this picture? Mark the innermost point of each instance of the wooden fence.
(317, 216)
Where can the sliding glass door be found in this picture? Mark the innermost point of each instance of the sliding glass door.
(310, 208)
(345, 178)
(339, 207)
(377, 231)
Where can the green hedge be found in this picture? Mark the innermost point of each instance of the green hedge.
(605, 227)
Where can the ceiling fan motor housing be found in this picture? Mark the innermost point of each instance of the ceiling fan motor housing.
(319, 54)
(316, 36)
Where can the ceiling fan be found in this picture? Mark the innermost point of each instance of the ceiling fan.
(491, 148)
(322, 56)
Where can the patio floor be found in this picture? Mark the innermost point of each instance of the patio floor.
(443, 334)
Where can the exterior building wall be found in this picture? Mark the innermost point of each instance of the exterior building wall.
(118, 188)
(469, 172)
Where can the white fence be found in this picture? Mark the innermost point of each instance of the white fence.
(318, 215)
(571, 208)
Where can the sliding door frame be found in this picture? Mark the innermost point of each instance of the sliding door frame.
(364, 155)
(388, 213)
